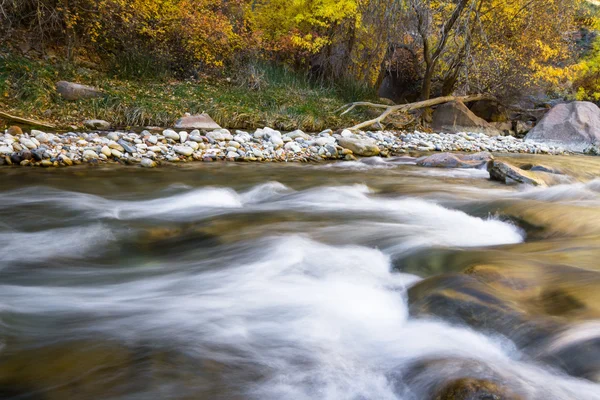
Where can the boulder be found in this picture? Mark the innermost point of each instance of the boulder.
(97, 124)
(362, 147)
(504, 172)
(573, 126)
(489, 110)
(199, 121)
(536, 305)
(455, 117)
(450, 160)
(475, 389)
(459, 378)
(75, 91)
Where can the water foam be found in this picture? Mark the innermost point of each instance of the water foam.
(317, 321)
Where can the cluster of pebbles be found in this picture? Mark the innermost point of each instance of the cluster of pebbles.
(150, 148)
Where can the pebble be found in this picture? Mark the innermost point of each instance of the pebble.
(183, 150)
(89, 155)
(128, 147)
(171, 134)
(116, 153)
(148, 163)
(27, 143)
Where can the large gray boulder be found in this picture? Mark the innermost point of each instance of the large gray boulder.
(573, 126)
(455, 117)
(75, 91)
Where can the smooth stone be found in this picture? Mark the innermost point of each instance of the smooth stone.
(232, 154)
(171, 134)
(258, 153)
(106, 151)
(362, 147)
(193, 145)
(127, 146)
(148, 163)
(26, 155)
(297, 134)
(66, 160)
(116, 146)
(75, 91)
(90, 155)
(219, 135)
(325, 140)
(199, 121)
(277, 141)
(27, 143)
(153, 139)
(14, 131)
(98, 124)
(183, 136)
(113, 136)
(183, 150)
(40, 136)
(39, 155)
(116, 153)
(6, 150)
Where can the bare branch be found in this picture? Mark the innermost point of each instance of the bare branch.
(410, 107)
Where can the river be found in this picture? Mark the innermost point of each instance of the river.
(363, 280)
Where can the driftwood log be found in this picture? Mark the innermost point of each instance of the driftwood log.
(407, 107)
(25, 121)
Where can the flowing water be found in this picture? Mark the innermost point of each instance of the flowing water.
(275, 281)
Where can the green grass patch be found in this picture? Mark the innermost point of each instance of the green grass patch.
(264, 95)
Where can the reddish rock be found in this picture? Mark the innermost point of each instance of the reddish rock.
(199, 121)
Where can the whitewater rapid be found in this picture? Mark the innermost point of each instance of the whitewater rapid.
(311, 305)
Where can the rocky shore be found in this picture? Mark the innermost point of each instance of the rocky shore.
(151, 148)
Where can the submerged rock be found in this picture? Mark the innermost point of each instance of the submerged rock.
(450, 160)
(474, 389)
(530, 303)
(503, 172)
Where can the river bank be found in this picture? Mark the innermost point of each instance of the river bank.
(152, 148)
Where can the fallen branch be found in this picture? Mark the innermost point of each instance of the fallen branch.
(409, 107)
(25, 121)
